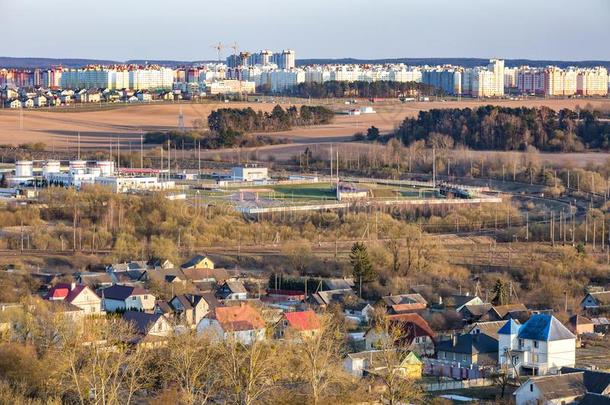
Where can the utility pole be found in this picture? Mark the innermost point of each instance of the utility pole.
(527, 226)
(141, 150)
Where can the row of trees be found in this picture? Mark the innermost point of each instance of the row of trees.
(49, 359)
(232, 127)
(362, 89)
(502, 128)
(247, 120)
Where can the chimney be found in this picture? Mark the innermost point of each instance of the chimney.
(454, 339)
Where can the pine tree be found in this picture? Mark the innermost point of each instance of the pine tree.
(500, 293)
(362, 269)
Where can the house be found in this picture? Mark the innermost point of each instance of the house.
(198, 262)
(232, 290)
(134, 265)
(487, 328)
(376, 361)
(40, 101)
(552, 389)
(191, 308)
(323, 299)
(458, 301)
(205, 275)
(396, 304)
(580, 325)
(121, 297)
(601, 325)
(94, 280)
(469, 349)
(570, 386)
(157, 264)
(144, 96)
(595, 301)
(15, 103)
(414, 332)
(241, 322)
(473, 313)
(28, 103)
(504, 312)
(540, 346)
(361, 311)
(65, 309)
(301, 323)
(150, 329)
(78, 295)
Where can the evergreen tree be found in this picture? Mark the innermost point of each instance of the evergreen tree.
(500, 293)
(362, 269)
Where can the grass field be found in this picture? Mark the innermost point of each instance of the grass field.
(97, 127)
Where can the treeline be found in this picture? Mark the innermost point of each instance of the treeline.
(247, 120)
(502, 128)
(232, 127)
(362, 89)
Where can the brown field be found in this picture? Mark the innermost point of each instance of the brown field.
(58, 129)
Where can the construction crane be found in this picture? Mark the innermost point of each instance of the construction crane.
(219, 47)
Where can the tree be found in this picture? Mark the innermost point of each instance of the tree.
(190, 364)
(298, 254)
(319, 361)
(500, 293)
(372, 134)
(362, 269)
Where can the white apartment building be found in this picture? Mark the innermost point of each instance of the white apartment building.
(151, 78)
(485, 82)
(510, 77)
(230, 87)
(280, 80)
(592, 82)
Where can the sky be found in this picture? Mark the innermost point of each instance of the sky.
(186, 29)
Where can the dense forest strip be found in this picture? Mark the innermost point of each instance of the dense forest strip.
(502, 128)
(230, 127)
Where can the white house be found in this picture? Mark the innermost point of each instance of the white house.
(551, 389)
(232, 290)
(148, 324)
(242, 323)
(540, 346)
(122, 297)
(250, 173)
(596, 300)
(78, 295)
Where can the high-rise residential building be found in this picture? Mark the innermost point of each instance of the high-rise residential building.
(497, 67)
(287, 59)
(592, 82)
(510, 77)
(447, 79)
(530, 80)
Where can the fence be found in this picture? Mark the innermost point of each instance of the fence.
(456, 385)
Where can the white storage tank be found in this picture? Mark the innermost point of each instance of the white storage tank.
(51, 166)
(24, 168)
(106, 167)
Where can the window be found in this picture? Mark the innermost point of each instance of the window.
(536, 344)
(520, 342)
(531, 387)
(133, 298)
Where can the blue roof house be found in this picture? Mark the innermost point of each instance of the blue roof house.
(540, 346)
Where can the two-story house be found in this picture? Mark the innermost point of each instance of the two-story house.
(122, 297)
(242, 322)
(78, 295)
(298, 324)
(540, 346)
(191, 308)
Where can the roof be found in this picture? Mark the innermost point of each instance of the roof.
(560, 386)
(164, 307)
(379, 358)
(600, 321)
(338, 284)
(303, 320)
(457, 300)
(503, 310)
(122, 292)
(594, 399)
(401, 299)
(58, 292)
(488, 328)
(414, 319)
(141, 321)
(477, 310)
(402, 308)
(236, 287)
(544, 327)
(510, 328)
(195, 274)
(238, 318)
(62, 306)
(469, 344)
(602, 297)
(334, 296)
(193, 262)
(597, 382)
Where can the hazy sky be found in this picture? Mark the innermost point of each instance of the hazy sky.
(186, 29)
